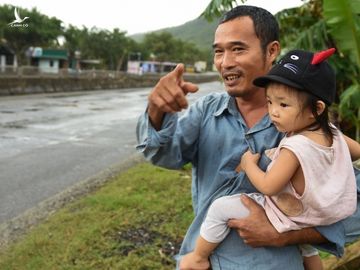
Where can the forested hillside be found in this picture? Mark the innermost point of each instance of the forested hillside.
(198, 31)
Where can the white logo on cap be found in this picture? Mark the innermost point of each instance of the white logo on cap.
(294, 57)
(291, 67)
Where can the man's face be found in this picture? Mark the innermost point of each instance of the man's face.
(238, 56)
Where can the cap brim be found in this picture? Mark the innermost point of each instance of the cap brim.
(265, 80)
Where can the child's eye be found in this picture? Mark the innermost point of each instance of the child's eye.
(269, 102)
(283, 105)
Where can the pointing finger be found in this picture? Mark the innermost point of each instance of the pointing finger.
(178, 72)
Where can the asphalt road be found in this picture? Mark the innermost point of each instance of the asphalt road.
(50, 142)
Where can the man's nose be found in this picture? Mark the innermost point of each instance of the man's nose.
(227, 60)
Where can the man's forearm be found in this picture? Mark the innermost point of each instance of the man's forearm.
(303, 236)
(257, 231)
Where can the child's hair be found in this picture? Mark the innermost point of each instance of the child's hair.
(322, 120)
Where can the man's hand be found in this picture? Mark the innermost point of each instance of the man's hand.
(256, 230)
(168, 95)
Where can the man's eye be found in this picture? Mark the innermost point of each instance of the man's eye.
(238, 49)
(283, 105)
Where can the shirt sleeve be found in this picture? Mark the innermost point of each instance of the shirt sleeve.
(175, 144)
(335, 234)
(149, 139)
(352, 223)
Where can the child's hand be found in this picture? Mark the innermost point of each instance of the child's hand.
(249, 158)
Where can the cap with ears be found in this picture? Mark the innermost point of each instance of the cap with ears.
(305, 71)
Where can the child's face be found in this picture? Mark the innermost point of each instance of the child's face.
(285, 109)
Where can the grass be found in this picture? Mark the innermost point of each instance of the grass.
(136, 221)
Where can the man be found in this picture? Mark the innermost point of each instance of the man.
(214, 133)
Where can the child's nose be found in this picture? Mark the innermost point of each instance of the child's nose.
(274, 112)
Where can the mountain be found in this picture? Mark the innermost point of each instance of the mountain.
(198, 31)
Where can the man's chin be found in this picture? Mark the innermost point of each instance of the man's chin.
(235, 93)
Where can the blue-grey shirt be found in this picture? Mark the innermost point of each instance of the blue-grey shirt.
(212, 136)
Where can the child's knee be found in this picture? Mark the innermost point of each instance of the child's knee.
(228, 207)
(219, 204)
(221, 208)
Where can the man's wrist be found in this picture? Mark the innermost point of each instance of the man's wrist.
(155, 116)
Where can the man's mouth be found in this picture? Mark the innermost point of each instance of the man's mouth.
(231, 78)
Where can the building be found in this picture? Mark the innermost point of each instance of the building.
(49, 60)
(144, 67)
(7, 58)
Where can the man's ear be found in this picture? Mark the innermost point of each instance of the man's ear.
(320, 107)
(273, 50)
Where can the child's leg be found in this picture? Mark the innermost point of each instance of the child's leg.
(213, 230)
(311, 258)
(313, 263)
(198, 259)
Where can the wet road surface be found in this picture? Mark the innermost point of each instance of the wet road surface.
(49, 142)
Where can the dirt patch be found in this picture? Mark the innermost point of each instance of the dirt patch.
(134, 238)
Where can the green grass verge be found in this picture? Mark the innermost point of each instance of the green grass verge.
(136, 221)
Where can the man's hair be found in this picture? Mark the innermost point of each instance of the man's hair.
(265, 24)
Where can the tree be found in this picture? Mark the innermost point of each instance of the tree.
(342, 18)
(167, 48)
(94, 43)
(39, 30)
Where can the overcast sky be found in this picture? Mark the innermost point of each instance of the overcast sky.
(132, 16)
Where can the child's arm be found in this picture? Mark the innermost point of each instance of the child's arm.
(274, 180)
(354, 148)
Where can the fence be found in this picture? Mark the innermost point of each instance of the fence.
(30, 80)
(31, 71)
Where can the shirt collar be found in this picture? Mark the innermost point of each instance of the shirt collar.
(227, 105)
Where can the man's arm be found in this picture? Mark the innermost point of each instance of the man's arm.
(168, 96)
(163, 137)
(257, 231)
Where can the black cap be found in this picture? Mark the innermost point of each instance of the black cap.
(305, 71)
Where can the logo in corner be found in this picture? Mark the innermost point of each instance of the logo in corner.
(18, 22)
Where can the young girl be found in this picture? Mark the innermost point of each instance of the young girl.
(310, 181)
